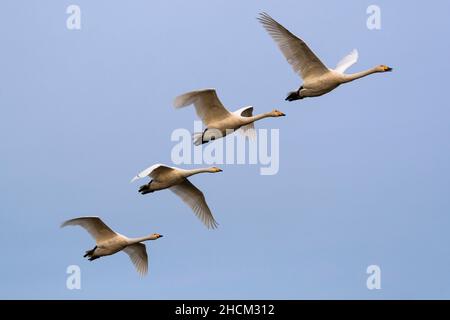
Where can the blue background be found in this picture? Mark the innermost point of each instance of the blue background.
(364, 171)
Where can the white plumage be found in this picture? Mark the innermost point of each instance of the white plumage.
(109, 242)
(218, 120)
(175, 179)
(317, 78)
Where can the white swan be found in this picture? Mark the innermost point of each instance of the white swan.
(109, 242)
(218, 120)
(317, 78)
(175, 179)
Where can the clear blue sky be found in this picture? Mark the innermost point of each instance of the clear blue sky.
(364, 171)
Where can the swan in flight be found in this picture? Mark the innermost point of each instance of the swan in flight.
(218, 120)
(175, 179)
(108, 242)
(317, 78)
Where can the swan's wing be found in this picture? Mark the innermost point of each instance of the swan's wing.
(195, 199)
(207, 105)
(138, 255)
(248, 130)
(296, 51)
(244, 112)
(347, 61)
(94, 225)
(155, 172)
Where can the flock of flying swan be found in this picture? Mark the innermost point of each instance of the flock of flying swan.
(218, 121)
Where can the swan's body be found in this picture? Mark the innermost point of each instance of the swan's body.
(218, 120)
(109, 242)
(175, 179)
(317, 78)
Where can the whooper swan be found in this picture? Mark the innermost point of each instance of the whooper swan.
(109, 242)
(175, 179)
(317, 78)
(218, 120)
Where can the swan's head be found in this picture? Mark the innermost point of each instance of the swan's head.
(215, 169)
(383, 68)
(157, 235)
(277, 113)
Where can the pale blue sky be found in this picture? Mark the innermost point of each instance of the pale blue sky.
(364, 171)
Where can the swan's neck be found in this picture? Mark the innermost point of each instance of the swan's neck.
(358, 75)
(142, 239)
(260, 116)
(197, 171)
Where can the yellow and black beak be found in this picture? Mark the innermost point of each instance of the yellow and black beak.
(388, 69)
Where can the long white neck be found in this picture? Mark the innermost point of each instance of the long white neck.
(191, 172)
(358, 75)
(142, 239)
(260, 116)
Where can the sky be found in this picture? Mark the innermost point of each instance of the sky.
(363, 176)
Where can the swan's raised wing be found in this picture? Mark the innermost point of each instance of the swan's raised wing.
(244, 112)
(195, 199)
(295, 50)
(248, 130)
(94, 225)
(156, 171)
(138, 255)
(347, 61)
(207, 105)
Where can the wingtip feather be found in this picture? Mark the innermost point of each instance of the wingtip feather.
(134, 179)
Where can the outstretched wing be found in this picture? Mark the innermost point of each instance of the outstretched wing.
(94, 225)
(156, 171)
(138, 255)
(195, 199)
(295, 50)
(347, 61)
(207, 105)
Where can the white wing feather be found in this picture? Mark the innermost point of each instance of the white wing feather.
(347, 61)
(152, 171)
(248, 130)
(195, 199)
(244, 112)
(207, 105)
(94, 225)
(138, 255)
(302, 59)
